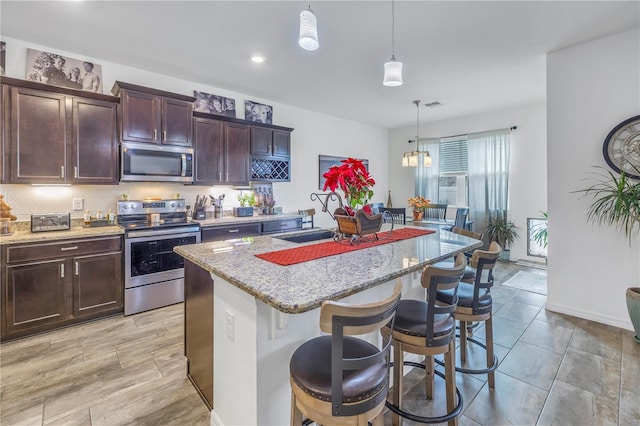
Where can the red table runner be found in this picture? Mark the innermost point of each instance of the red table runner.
(316, 251)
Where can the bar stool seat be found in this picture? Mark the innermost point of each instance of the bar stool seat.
(465, 297)
(409, 310)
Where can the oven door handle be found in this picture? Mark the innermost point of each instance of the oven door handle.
(173, 232)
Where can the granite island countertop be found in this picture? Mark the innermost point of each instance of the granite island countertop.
(304, 286)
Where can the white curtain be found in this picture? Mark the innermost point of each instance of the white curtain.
(427, 178)
(488, 176)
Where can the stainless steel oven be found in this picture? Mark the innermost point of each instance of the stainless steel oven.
(154, 274)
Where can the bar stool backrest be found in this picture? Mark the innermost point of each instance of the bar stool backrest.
(343, 319)
(484, 260)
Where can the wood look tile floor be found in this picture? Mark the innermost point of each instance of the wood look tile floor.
(554, 369)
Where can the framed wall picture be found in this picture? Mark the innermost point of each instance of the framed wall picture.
(58, 70)
(259, 113)
(3, 48)
(214, 104)
(327, 161)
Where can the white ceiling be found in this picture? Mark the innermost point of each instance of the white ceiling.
(472, 56)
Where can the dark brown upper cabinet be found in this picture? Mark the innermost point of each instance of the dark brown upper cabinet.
(265, 141)
(58, 135)
(208, 141)
(154, 116)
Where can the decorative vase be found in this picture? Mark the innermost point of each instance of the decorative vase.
(633, 306)
(417, 214)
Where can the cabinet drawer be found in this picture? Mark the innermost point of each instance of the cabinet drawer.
(30, 252)
(228, 232)
(281, 225)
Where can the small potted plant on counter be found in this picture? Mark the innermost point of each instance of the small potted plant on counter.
(246, 205)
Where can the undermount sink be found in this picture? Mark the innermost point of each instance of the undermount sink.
(307, 236)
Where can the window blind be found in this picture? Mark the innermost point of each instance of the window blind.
(453, 156)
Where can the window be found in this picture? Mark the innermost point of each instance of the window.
(453, 183)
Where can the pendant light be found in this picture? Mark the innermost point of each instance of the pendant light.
(393, 68)
(411, 158)
(308, 39)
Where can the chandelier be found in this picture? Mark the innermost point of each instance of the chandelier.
(393, 68)
(412, 158)
(308, 38)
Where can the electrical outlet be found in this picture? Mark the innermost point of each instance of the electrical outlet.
(229, 325)
(77, 204)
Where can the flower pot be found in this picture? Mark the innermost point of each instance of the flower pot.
(242, 211)
(417, 214)
(633, 306)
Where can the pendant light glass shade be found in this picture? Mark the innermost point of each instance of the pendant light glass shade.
(308, 39)
(392, 73)
(411, 158)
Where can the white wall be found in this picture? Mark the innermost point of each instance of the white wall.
(528, 174)
(591, 88)
(314, 134)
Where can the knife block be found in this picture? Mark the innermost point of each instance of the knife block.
(199, 213)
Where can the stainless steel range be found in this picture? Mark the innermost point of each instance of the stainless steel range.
(154, 274)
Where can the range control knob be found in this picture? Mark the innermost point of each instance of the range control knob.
(124, 206)
(173, 204)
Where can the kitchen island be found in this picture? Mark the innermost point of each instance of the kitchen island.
(244, 316)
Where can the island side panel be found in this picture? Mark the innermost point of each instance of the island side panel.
(235, 374)
(198, 329)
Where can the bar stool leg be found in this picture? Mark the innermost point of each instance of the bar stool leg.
(488, 329)
(378, 420)
(398, 370)
(296, 414)
(428, 379)
(463, 341)
(450, 379)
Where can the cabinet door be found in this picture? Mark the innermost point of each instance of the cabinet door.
(236, 153)
(281, 143)
(38, 136)
(4, 137)
(140, 117)
(35, 296)
(261, 140)
(95, 141)
(97, 284)
(176, 122)
(209, 151)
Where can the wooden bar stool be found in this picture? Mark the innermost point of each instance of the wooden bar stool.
(427, 328)
(339, 379)
(475, 304)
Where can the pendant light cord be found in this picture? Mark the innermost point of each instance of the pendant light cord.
(393, 29)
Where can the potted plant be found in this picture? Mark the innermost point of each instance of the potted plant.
(354, 180)
(246, 205)
(418, 203)
(616, 202)
(539, 234)
(503, 232)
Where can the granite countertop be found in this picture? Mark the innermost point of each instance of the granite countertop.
(304, 286)
(231, 220)
(75, 232)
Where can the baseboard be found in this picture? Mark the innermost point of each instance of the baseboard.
(215, 420)
(589, 316)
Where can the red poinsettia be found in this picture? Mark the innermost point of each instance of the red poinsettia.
(354, 180)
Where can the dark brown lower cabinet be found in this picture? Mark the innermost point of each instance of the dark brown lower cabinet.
(198, 329)
(50, 285)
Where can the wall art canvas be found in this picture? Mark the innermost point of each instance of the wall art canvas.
(328, 161)
(3, 65)
(214, 104)
(59, 70)
(259, 113)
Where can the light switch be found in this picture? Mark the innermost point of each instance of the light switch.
(77, 204)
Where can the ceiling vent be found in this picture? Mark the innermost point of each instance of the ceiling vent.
(435, 104)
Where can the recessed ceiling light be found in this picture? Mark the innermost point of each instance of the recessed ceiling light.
(257, 59)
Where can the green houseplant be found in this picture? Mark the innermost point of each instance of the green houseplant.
(616, 202)
(539, 234)
(503, 232)
(246, 205)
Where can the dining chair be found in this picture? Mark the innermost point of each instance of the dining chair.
(435, 212)
(397, 215)
(341, 378)
(461, 218)
(307, 218)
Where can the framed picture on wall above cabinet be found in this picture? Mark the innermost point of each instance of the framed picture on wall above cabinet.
(260, 113)
(57, 70)
(214, 104)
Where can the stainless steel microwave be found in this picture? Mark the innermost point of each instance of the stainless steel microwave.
(144, 162)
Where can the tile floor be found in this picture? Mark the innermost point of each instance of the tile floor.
(554, 369)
